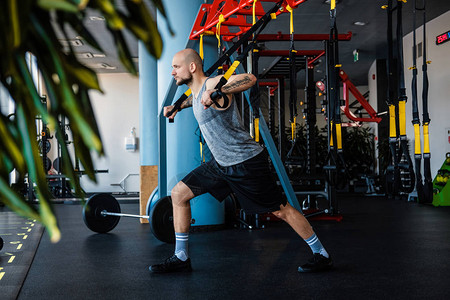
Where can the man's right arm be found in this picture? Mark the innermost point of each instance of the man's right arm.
(185, 104)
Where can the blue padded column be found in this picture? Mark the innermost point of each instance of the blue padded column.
(148, 108)
(183, 150)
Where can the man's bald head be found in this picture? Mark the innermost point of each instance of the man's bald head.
(190, 55)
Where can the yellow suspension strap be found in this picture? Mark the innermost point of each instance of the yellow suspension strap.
(336, 169)
(404, 161)
(219, 23)
(179, 102)
(294, 155)
(428, 180)
(200, 52)
(392, 171)
(415, 117)
(254, 12)
(254, 93)
(292, 77)
(202, 143)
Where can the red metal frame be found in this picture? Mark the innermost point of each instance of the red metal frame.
(311, 61)
(286, 52)
(234, 12)
(301, 37)
(349, 87)
(272, 84)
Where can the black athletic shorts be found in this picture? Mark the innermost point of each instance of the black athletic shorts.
(251, 181)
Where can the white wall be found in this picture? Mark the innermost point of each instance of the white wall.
(373, 96)
(116, 111)
(439, 87)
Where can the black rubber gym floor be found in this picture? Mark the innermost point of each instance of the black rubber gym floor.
(382, 249)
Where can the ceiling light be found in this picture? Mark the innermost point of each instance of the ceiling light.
(359, 23)
(71, 42)
(89, 55)
(103, 66)
(84, 55)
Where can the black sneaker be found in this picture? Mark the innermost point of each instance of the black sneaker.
(317, 263)
(172, 264)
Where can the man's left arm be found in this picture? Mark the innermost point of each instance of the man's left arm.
(238, 83)
(235, 84)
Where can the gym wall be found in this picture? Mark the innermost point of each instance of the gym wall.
(439, 87)
(117, 112)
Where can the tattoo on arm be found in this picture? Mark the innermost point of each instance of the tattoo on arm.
(187, 102)
(235, 84)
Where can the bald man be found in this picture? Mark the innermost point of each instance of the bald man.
(239, 165)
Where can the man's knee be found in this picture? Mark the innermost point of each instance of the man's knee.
(181, 194)
(283, 212)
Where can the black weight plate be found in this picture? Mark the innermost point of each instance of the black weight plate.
(47, 164)
(56, 164)
(1, 243)
(48, 146)
(161, 220)
(92, 213)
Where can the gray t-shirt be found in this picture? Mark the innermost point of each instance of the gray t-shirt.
(224, 133)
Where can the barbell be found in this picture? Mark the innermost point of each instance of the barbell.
(102, 213)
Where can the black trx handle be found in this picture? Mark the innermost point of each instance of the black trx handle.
(177, 104)
(260, 24)
(217, 95)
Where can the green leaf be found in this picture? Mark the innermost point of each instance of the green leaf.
(29, 91)
(124, 52)
(15, 27)
(10, 144)
(159, 5)
(76, 22)
(83, 74)
(143, 26)
(109, 11)
(26, 27)
(36, 173)
(11, 199)
(58, 4)
(70, 103)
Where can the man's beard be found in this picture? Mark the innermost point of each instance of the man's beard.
(186, 81)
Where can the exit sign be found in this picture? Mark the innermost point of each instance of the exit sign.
(442, 38)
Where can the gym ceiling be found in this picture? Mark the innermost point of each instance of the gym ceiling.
(311, 17)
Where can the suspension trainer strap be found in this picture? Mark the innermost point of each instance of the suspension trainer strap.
(428, 182)
(404, 154)
(415, 116)
(392, 171)
(292, 77)
(260, 24)
(336, 169)
(254, 93)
